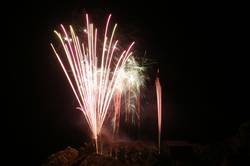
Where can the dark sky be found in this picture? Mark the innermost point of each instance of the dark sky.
(195, 44)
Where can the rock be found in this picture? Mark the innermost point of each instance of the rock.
(65, 157)
(97, 160)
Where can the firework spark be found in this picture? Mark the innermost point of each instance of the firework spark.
(95, 72)
(159, 109)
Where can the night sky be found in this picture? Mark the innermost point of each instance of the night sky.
(195, 45)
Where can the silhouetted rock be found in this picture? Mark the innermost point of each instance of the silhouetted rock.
(98, 160)
(233, 151)
(63, 158)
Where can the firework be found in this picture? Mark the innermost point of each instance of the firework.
(134, 80)
(95, 72)
(130, 80)
(159, 109)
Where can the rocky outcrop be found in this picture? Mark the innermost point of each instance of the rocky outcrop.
(65, 157)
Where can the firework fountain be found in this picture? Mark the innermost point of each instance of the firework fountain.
(159, 109)
(95, 72)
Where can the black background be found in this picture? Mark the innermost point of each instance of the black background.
(198, 47)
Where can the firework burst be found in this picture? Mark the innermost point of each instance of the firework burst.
(130, 80)
(95, 72)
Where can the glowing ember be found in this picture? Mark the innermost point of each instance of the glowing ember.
(95, 72)
(159, 109)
